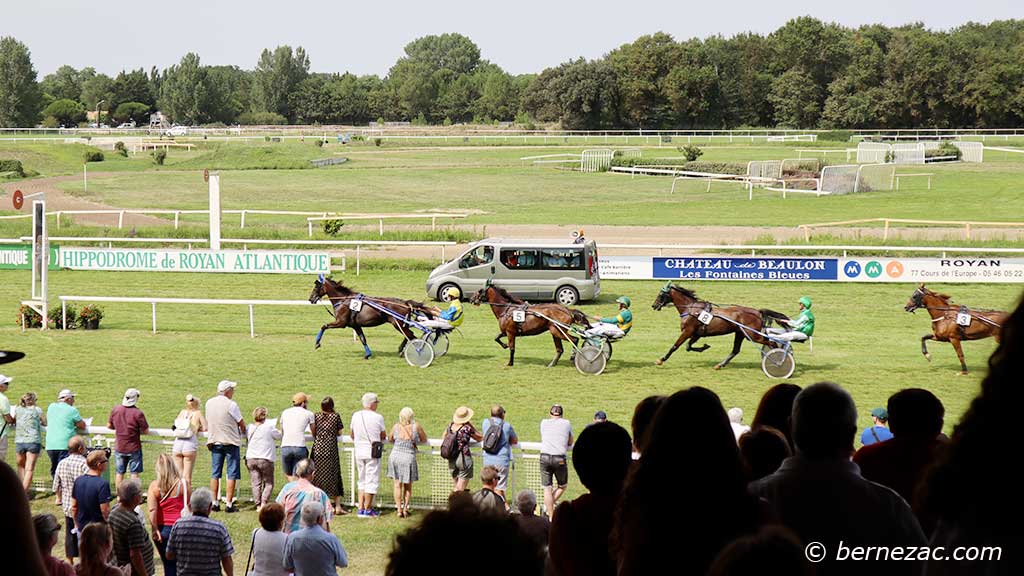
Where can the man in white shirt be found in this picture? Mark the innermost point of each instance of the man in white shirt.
(294, 422)
(367, 428)
(736, 421)
(555, 440)
(226, 428)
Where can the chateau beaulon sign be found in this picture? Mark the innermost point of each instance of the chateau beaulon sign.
(764, 268)
(165, 260)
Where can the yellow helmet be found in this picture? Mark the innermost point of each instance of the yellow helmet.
(454, 292)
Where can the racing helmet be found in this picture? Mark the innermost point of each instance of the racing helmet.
(806, 301)
(624, 300)
(454, 293)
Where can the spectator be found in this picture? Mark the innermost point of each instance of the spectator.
(28, 437)
(259, 456)
(776, 408)
(501, 458)
(416, 551)
(294, 494)
(709, 509)
(487, 499)
(167, 501)
(879, 429)
(314, 551)
(187, 426)
(600, 416)
(68, 471)
(268, 543)
(773, 550)
(555, 440)
(90, 497)
(97, 544)
(736, 421)
(916, 418)
(21, 552)
(128, 424)
(973, 491)
(821, 496)
(643, 417)
(402, 468)
(535, 527)
(327, 429)
(763, 451)
(47, 534)
(226, 425)
(6, 420)
(131, 543)
(62, 422)
(199, 545)
(294, 423)
(367, 430)
(461, 465)
(581, 529)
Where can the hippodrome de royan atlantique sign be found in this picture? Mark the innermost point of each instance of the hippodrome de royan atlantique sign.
(19, 257)
(764, 268)
(169, 260)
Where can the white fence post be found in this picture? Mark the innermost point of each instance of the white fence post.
(252, 323)
(154, 316)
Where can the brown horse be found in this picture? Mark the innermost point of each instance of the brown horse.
(538, 319)
(982, 324)
(367, 316)
(747, 323)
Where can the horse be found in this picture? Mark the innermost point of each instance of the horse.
(539, 318)
(367, 316)
(983, 323)
(747, 323)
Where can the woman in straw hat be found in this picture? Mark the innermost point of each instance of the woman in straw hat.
(461, 466)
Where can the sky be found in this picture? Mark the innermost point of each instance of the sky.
(367, 37)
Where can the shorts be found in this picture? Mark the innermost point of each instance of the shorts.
(502, 477)
(185, 446)
(290, 456)
(24, 447)
(229, 452)
(132, 461)
(461, 466)
(552, 465)
(369, 474)
(70, 538)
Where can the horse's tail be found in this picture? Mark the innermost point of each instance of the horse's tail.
(579, 317)
(767, 314)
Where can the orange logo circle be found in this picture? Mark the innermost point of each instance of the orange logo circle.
(894, 269)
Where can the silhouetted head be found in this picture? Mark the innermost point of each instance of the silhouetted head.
(776, 409)
(601, 456)
(763, 449)
(773, 550)
(824, 422)
(643, 417)
(915, 413)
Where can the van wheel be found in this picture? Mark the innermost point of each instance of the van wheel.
(442, 292)
(567, 296)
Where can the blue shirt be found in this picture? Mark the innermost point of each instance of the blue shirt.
(90, 491)
(314, 551)
(504, 456)
(867, 438)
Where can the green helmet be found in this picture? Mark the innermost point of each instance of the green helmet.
(806, 301)
(624, 300)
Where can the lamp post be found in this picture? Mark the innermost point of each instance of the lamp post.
(98, 112)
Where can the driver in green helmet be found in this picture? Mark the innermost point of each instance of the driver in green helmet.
(617, 326)
(801, 328)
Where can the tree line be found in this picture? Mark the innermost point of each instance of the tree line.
(806, 74)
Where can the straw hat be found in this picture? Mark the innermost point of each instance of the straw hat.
(462, 415)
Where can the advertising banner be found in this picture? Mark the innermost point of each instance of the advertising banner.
(170, 260)
(19, 257)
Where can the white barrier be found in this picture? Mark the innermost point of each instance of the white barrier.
(908, 153)
(598, 160)
(971, 151)
(872, 152)
(764, 169)
(382, 217)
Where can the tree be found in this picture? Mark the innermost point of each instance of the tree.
(96, 88)
(795, 97)
(184, 94)
(20, 97)
(425, 78)
(276, 76)
(132, 112)
(580, 95)
(642, 68)
(64, 84)
(67, 113)
(229, 93)
(131, 87)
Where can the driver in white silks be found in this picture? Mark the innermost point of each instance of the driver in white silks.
(800, 329)
(617, 326)
(448, 319)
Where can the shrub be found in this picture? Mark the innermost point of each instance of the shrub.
(93, 156)
(319, 143)
(835, 135)
(12, 166)
(359, 138)
(376, 141)
(737, 168)
(332, 227)
(159, 156)
(89, 316)
(946, 148)
(55, 317)
(32, 318)
(121, 149)
(691, 152)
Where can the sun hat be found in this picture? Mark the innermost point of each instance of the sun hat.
(462, 415)
(224, 385)
(5, 380)
(65, 394)
(369, 399)
(131, 397)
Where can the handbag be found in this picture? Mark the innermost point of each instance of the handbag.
(376, 446)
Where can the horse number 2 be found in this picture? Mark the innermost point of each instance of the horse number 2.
(355, 305)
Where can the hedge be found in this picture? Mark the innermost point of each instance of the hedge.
(737, 168)
(12, 166)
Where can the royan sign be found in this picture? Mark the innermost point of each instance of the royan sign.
(169, 260)
(19, 257)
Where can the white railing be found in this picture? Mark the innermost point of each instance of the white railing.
(382, 217)
(888, 222)
(754, 248)
(359, 244)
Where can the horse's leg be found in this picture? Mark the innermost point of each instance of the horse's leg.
(362, 339)
(959, 354)
(693, 340)
(924, 346)
(558, 349)
(324, 328)
(511, 348)
(679, 342)
(737, 343)
(500, 343)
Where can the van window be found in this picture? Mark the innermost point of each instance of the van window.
(477, 257)
(562, 259)
(519, 259)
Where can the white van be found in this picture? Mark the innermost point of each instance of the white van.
(565, 272)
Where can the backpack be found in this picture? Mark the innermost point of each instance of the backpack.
(492, 439)
(450, 445)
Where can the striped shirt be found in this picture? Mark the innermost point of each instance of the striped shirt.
(130, 534)
(68, 471)
(198, 544)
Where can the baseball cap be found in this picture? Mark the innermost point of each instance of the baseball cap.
(224, 385)
(131, 397)
(65, 394)
(369, 398)
(299, 398)
(5, 379)
(600, 415)
(556, 410)
(7, 356)
(880, 413)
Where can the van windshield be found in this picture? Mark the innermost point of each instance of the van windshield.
(477, 257)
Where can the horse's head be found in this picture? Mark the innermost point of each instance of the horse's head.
(664, 296)
(319, 289)
(479, 297)
(917, 299)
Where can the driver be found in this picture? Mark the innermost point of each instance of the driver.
(800, 329)
(616, 326)
(448, 319)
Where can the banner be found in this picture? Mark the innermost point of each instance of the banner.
(19, 257)
(765, 268)
(169, 260)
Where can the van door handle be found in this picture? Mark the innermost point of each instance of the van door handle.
(492, 269)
